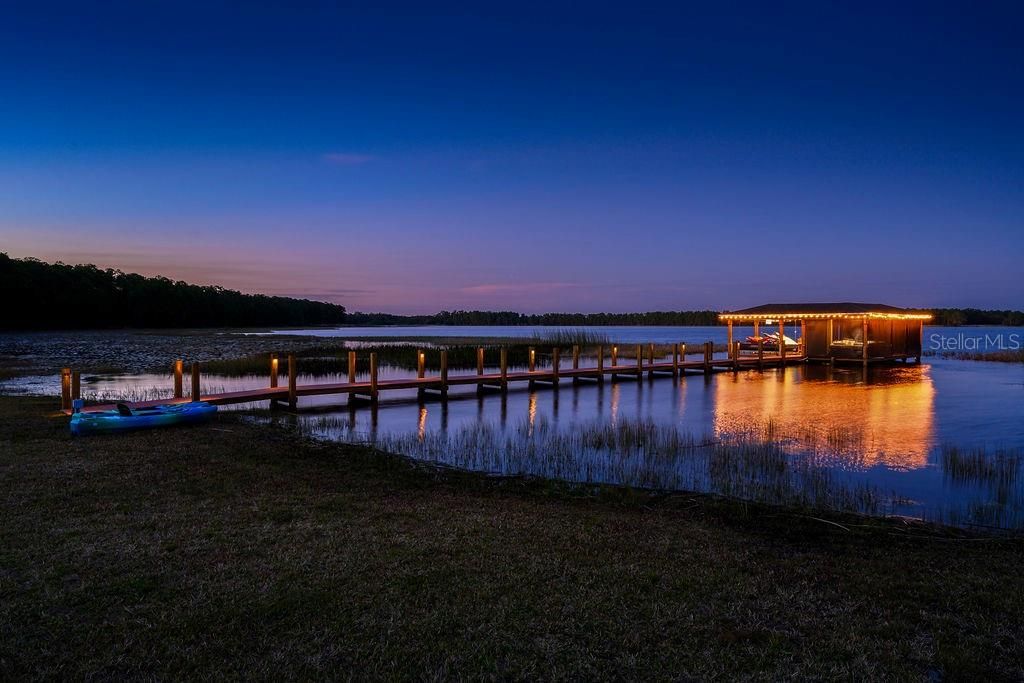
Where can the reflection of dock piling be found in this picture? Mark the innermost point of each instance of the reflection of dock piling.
(367, 390)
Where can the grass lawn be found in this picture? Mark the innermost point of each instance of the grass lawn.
(239, 550)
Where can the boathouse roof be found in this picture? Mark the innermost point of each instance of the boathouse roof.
(844, 309)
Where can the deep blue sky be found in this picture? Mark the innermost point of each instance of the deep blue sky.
(626, 157)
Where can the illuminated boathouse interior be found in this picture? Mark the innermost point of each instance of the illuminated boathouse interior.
(837, 332)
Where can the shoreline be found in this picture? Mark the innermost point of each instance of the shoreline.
(233, 534)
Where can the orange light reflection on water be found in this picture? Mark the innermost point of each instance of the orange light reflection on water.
(888, 420)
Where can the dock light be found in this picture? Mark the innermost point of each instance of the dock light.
(273, 365)
(533, 354)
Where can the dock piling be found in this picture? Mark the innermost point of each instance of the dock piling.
(600, 364)
(639, 362)
(65, 389)
(373, 378)
(195, 382)
(351, 367)
(444, 373)
(178, 390)
(504, 369)
(76, 385)
(293, 397)
(554, 365)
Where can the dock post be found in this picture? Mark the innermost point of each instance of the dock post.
(178, 367)
(729, 340)
(615, 360)
(600, 364)
(531, 363)
(293, 397)
(274, 371)
(803, 337)
(479, 369)
(195, 382)
(575, 362)
(373, 378)
(639, 362)
(421, 371)
(444, 374)
(351, 367)
(504, 369)
(65, 389)
(864, 339)
(554, 365)
(650, 360)
(760, 353)
(735, 356)
(76, 386)
(782, 341)
(675, 361)
(709, 350)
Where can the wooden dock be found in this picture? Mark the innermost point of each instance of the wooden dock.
(369, 390)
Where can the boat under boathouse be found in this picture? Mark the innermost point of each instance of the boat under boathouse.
(836, 332)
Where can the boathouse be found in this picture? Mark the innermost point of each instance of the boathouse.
(838, 332)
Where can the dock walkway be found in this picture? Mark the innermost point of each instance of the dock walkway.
(370, 389)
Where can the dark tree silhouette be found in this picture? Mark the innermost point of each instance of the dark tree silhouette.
(44, 296)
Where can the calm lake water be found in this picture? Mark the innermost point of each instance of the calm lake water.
(940, 441)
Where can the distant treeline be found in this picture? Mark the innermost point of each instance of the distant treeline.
(541, 319)
(954, 317)
(43, 296)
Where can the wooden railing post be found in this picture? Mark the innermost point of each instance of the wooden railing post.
(274, 370)
(782, 340)
(76, 386)
(531, 364)
(729, 339)
(444, 373)
(504, 368)
(480, 360)
(709, 350)
(421, 364)
(600, 364)
(864, 335)
(373, 377)
(554, 364)
(735, 355)
(639, 361)
(351, 367)
(196, 395)
(650, 359)
(760, 353)
(615, 356)
(65, 389)
(293, 396)
(179, 391)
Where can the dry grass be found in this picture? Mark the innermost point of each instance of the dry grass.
(240, 551)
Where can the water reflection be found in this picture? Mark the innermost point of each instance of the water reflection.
(885, 416)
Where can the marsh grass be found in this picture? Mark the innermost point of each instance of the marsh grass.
(978, 465)
(1005, 356)
(760, 464)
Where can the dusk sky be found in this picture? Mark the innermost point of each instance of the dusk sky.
(625, 157)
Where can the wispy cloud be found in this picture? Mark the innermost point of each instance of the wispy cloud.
(525, 288)
(347, 158)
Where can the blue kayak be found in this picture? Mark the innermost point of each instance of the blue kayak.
(125, 419)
